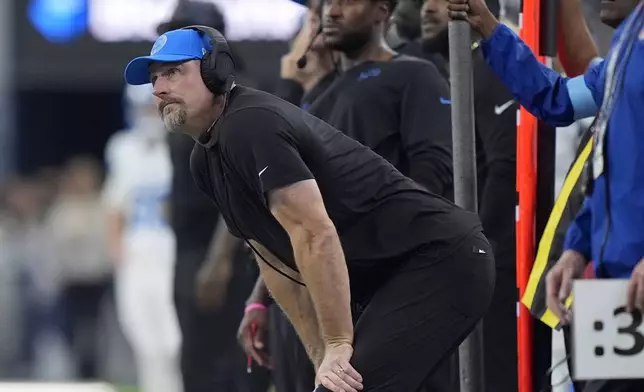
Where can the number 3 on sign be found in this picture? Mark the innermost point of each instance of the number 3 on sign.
(608, 341)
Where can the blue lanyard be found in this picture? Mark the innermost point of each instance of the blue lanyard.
(615, 73)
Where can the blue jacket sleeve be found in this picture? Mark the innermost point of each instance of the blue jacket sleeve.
(549, 96)
(578, 236)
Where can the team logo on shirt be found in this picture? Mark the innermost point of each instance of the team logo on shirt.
(372, 73)
(159, 44)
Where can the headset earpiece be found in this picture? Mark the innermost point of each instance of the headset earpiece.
(217, 66)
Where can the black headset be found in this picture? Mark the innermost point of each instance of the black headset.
(217, 65)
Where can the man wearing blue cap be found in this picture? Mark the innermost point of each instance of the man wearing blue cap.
(209, 301)
(381, 279)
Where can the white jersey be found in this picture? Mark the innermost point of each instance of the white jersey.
(138, 185)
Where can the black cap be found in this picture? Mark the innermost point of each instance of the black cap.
(190, 13)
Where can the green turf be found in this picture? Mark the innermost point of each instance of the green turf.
(127, 389)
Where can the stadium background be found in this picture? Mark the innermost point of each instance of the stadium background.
(61, 93)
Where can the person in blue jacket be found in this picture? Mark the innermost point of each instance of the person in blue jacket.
(609, 229)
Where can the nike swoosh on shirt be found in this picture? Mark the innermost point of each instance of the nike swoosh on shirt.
(499, 109)
(263, 170)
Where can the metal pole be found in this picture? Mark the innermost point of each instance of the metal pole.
(465, 190)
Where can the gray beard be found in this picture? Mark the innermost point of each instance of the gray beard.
(175, 120)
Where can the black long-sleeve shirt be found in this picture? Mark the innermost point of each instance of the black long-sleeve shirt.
(293, 92)
(401, 110)
(496, 128)
(495, 120)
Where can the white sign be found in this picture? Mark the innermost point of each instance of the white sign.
(608, 342)
(137, 20)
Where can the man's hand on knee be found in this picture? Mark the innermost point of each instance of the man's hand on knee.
(336, 373)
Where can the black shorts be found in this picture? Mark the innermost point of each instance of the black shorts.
(419, 317)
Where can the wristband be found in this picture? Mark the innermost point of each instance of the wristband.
(254, 306)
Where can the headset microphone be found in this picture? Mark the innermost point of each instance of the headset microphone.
(301, 62)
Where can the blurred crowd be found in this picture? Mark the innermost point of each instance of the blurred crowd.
(56, 271)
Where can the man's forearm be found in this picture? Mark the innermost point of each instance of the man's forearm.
(576, 45)
(487, 24)
(294, 300)
(260, 293)
(218, 266)
(299, 208)
(223, 244)
(221, 252)
(321, 262)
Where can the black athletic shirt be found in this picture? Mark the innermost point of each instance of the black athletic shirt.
(495, 116)
(263, 143)
(410, 48)
(496, 129)
(401, 110)
(292, 92)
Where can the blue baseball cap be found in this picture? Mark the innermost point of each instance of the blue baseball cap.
(173, 46)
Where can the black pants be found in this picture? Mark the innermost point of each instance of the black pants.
(445, 378)
(292, 369)
(499, 342)
(417, 319)
(211, 359)
(81, 309)
(500, 353)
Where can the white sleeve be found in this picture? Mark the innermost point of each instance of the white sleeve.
(115, 188)
(114, 194)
